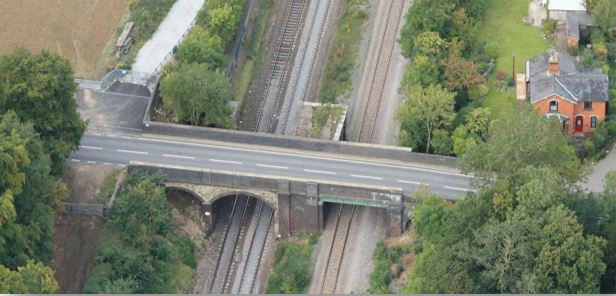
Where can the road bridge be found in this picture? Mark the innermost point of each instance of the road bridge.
(298, 202)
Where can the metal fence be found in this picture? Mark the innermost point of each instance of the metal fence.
(129, 77)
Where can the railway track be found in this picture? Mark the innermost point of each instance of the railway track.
(336, 250)
(303, 65)
(246, 277)
(378, 76)
(215, 284)
(241, 248)
(282, 57)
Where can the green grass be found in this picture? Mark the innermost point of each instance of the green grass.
(503, 25)
(108, 186)
(321, 116)
(343, 55)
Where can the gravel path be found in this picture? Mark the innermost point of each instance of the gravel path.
(169, 33)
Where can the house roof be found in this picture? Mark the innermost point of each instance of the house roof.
(567, 5)
(572, 83)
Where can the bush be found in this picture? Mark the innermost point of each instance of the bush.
(500, 75)
(573, 50)
(491, 49)
(291, 274)
(201, 46)
(549, 27)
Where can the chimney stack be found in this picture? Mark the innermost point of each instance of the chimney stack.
(554, 69)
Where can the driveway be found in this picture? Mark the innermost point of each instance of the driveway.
(596, 179)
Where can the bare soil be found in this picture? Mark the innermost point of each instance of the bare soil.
(76, 29)
(76, 237)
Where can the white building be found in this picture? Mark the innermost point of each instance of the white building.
(558, 9)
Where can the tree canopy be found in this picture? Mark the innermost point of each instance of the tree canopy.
(198, 95)
(40, 89)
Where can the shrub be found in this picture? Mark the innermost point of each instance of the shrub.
(573, 50)
(291, 274)
(201, 46)
(549, 27)
(491, 49)
(500, 75)
(589, 147)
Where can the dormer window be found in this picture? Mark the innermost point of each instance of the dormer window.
(553, 106)
(587, 105)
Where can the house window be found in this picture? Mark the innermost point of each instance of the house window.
(553, 106)
(587, 105)
(593, 121)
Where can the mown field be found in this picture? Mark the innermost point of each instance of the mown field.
(78, 30)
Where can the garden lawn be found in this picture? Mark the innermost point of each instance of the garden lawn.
(503, 24)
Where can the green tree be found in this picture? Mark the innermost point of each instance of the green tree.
(222, 21)
(198, 95)
(40, 89)
(568, 262)
(33, 278)
(461, 74)
(430, 107)
(202, 47)
(604, 13)
(534, 141)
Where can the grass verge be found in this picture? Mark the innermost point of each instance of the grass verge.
(292, 270)
(389, 264)
(324, 115)
(342, 59)
(503, 25)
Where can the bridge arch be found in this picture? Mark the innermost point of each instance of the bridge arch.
(190, 192)
(272, 203)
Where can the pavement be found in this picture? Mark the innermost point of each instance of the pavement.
(596, 178)
(118, 149)
(169, 33)
(122, 110)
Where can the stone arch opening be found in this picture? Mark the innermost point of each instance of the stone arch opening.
(271, 203)
(187, 207)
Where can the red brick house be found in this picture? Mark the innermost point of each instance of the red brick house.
(559, 88)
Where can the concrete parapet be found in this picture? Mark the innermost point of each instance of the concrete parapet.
(306, 144)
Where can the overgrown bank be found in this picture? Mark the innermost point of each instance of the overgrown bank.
(195, 89)
(141, 250)
(342, 58)
(292, 269)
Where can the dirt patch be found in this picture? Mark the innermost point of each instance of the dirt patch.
(186, 213)
(76, 237)
(76, 29)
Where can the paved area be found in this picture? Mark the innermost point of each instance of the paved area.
(170, 32)
(113, 111)
(596, 179)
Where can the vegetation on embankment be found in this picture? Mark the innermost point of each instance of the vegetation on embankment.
(141, 250)
(342, 58)
(187, 92)
(388, 264)
(39, 127)
(292, 269)
(147, 16)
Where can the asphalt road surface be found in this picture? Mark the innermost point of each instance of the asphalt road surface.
(119, 149)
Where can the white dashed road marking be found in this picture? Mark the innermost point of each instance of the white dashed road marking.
(90, 147)
(409, 182)
(319, 172)
(132, 152)
(178, 156)
(367, 177)
(272, 166)
(458, 189)
(225, 161)
(75, 160)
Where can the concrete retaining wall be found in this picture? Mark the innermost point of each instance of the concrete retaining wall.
(317, 145)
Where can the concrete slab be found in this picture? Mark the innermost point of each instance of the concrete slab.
(171, 31)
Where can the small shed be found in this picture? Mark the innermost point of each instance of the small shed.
(125, 41)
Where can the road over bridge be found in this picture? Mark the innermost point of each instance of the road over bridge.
(119, 149)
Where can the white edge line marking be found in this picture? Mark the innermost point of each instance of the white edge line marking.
(272, 166)
(90, 147)
(319, 172)
(307, 156)
(132, 152)
(459, 189)
(178, 156)
(225, 161)
(367, 177)
(75, 160)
